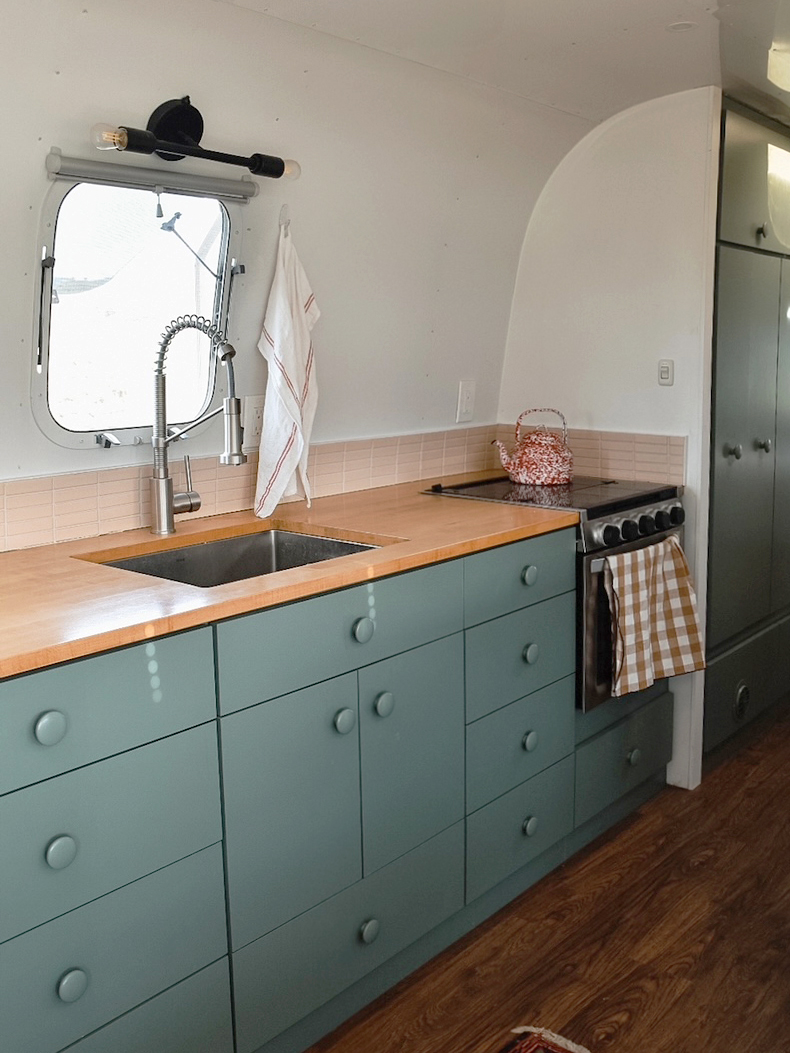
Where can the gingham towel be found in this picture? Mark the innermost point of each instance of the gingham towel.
(291, 390)
(655, 626)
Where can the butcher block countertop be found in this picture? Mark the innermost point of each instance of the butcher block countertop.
(58, 602)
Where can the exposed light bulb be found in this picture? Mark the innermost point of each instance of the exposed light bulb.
(106, 137)
(292, 169)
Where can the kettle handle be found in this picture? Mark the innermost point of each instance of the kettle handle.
(546, 409)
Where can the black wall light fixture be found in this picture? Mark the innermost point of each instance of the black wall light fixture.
(174, 131)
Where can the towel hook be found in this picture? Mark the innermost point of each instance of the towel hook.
(285, 218)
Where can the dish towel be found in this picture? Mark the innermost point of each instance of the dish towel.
(655, 626)
(291, 390)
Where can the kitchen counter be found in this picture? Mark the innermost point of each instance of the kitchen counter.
(60, 603)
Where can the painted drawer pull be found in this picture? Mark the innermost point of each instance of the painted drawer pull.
(530, 826)
(735, 450)
(634, 756)
(384, 704)
(50, 727)
(344, 721)
(60, 852)
(72, 985)
(529, 574)
(369, 930)
(530, 741)
(530, 653)
(363, 629)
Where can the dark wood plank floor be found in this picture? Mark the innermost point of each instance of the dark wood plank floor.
(669, 935)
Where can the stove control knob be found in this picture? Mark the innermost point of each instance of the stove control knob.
(610, 535)
(647, 525)
(677, 515)
(663, 520)
(630, 530)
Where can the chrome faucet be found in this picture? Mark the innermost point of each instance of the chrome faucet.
(164, 502)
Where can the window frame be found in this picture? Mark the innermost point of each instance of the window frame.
(67, 173)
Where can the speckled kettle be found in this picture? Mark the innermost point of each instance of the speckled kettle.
(541, 457)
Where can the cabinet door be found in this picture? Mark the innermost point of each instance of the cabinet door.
(743, 416)
(780, 570)
(291, 782)
(754, 205)
(412, 739)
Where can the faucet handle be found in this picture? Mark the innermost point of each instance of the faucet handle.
(188, 472)
(189, 501)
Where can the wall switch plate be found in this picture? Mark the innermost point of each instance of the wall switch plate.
(252, 421)
(666, 372)
(466, 401)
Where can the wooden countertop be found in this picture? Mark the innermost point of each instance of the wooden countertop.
(59, 602)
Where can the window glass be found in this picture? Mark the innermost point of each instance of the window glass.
(121, 274)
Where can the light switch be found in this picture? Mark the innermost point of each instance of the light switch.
(666, 372)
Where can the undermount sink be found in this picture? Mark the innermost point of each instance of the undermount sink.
(211, 563)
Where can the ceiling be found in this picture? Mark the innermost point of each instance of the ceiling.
(593, 58)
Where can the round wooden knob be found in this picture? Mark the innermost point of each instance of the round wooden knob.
(50, 727)
(384, 704)
(369, 930)
(634, 757)
(344, 721)
(529, 574)
(531, 653)
(530, 826)
(72, 985)
(530, 741)
(60, 852)
(363, 629)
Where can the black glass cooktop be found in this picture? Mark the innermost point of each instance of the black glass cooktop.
(592, 498)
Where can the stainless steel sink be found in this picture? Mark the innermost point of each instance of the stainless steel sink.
(233, 559)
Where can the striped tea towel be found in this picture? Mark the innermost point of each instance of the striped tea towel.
(655, 626)
(291, 390)
(539, 1040)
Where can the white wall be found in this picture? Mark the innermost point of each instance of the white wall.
(409, 216)
(616, 272)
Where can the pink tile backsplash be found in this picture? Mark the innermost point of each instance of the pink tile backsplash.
(41, 511)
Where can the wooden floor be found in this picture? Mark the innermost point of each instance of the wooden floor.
(669, 935)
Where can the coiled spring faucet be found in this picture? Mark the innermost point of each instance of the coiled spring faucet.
(164, 502)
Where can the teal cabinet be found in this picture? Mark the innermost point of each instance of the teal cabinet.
(292, 804)
(69, 840)
(412, 738)
(64, 979)
(262, 656)
(300, 966)
(61, 718)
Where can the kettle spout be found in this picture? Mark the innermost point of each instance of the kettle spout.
(504, 456)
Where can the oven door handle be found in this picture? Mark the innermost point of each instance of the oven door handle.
(597, 565)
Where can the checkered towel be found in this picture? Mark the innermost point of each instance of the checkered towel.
(655, 626)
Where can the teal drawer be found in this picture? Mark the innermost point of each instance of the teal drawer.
(284, 976)
(98, 706)
(124, 817)
(602, 716)
(261, 656)
(504, 579)
(517, 827)
(742, 682)
(412, 750)
(130, 945)
(192, 1017)
(622, 757)
(518, 741)
(515, 655)
(292, 807)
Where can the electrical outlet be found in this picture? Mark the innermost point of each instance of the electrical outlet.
(466, 401)
(252, 420)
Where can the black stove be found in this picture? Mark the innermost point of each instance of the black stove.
(612, 512)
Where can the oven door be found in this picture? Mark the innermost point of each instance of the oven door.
(596, 657)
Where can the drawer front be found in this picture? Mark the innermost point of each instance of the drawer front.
(192, 1017)
(71, 839)
(518, 741)
(505, 579)
(128, 946)
(513, 656)
(297, 968)
(62, 718)
(516, 828)
(601, 717)
(621, 758)
(271, 653)
(412, 732)
(292, 808)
